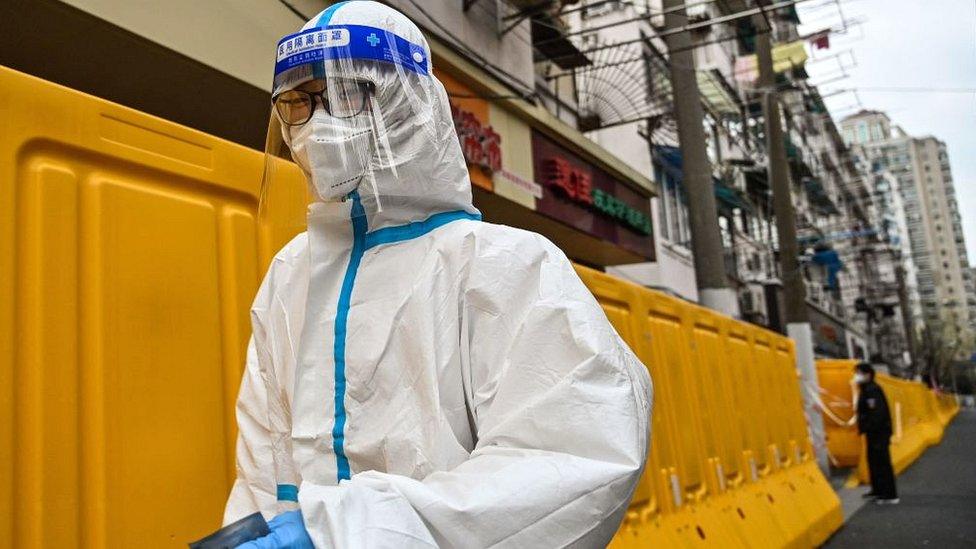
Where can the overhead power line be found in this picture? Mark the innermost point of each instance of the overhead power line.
(911, 89)
(688, 27)
(294, 10)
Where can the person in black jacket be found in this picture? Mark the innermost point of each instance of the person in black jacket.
(874, 421)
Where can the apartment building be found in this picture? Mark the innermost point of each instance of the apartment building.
(921, 167)
(626, 105)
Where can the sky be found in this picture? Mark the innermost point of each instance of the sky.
(906, 44)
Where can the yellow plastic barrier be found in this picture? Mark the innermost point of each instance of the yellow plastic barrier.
(836, 394)
(946, 407)
(731, 462)
(129, 254)
(918, 416)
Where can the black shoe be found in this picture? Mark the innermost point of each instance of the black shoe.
(869, 495)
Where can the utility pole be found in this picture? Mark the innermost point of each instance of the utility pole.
(706, 242)
(794, 291)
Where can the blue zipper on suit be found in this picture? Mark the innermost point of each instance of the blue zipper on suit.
(362, 241)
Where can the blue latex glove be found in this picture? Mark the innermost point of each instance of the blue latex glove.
(287, 532)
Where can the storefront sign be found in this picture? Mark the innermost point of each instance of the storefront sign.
(589, 199)
(576, 184)
(480, 144)
(572, 182)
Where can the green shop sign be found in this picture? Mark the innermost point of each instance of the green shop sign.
(609, 205)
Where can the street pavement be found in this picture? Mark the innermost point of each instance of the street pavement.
(938, 499)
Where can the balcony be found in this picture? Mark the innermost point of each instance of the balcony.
(551, 37)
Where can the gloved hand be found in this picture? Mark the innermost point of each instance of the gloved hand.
(287, 532)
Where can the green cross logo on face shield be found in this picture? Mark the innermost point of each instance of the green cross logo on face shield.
(373, 39)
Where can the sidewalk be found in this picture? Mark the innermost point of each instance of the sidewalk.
(938, 499)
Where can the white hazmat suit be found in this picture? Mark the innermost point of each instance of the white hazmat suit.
(439, 380)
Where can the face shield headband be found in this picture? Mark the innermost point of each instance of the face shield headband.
(309, 49)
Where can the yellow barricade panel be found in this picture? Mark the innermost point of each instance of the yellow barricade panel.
(762, 364)
(843, 441)
(666, 325)
(721, 431)
(136, 259)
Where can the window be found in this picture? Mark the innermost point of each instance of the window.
(672, 209)
(876, 132)
(725, 231)
(862, 132)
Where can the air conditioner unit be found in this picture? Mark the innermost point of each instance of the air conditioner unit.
(753, 302)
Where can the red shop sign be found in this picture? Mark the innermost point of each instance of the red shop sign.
(576, 184)
(480, 144)
(589, 199)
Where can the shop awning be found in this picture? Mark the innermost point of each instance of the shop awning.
(671, 162)
(731, 197)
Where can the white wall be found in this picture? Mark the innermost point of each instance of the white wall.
(674, 269)
(238, 37)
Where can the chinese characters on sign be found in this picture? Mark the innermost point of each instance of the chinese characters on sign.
(576, 184)
(573, 183)
(313, 39)
(620, 210)
(480, 144)
(584, 196)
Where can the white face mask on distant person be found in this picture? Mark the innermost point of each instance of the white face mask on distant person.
(860, 378)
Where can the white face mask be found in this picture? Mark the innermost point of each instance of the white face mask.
(860, 378)
(335, 152)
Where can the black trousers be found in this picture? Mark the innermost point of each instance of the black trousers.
(879, 466)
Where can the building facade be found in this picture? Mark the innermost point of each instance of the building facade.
(922, 169)
(831, 193)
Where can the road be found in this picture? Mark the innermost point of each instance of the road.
(938, 500)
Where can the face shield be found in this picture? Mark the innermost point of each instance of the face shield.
(355, 107)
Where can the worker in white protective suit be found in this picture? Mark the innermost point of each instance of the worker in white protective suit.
(417, 377)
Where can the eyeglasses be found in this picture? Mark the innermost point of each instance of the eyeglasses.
(341, 99)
